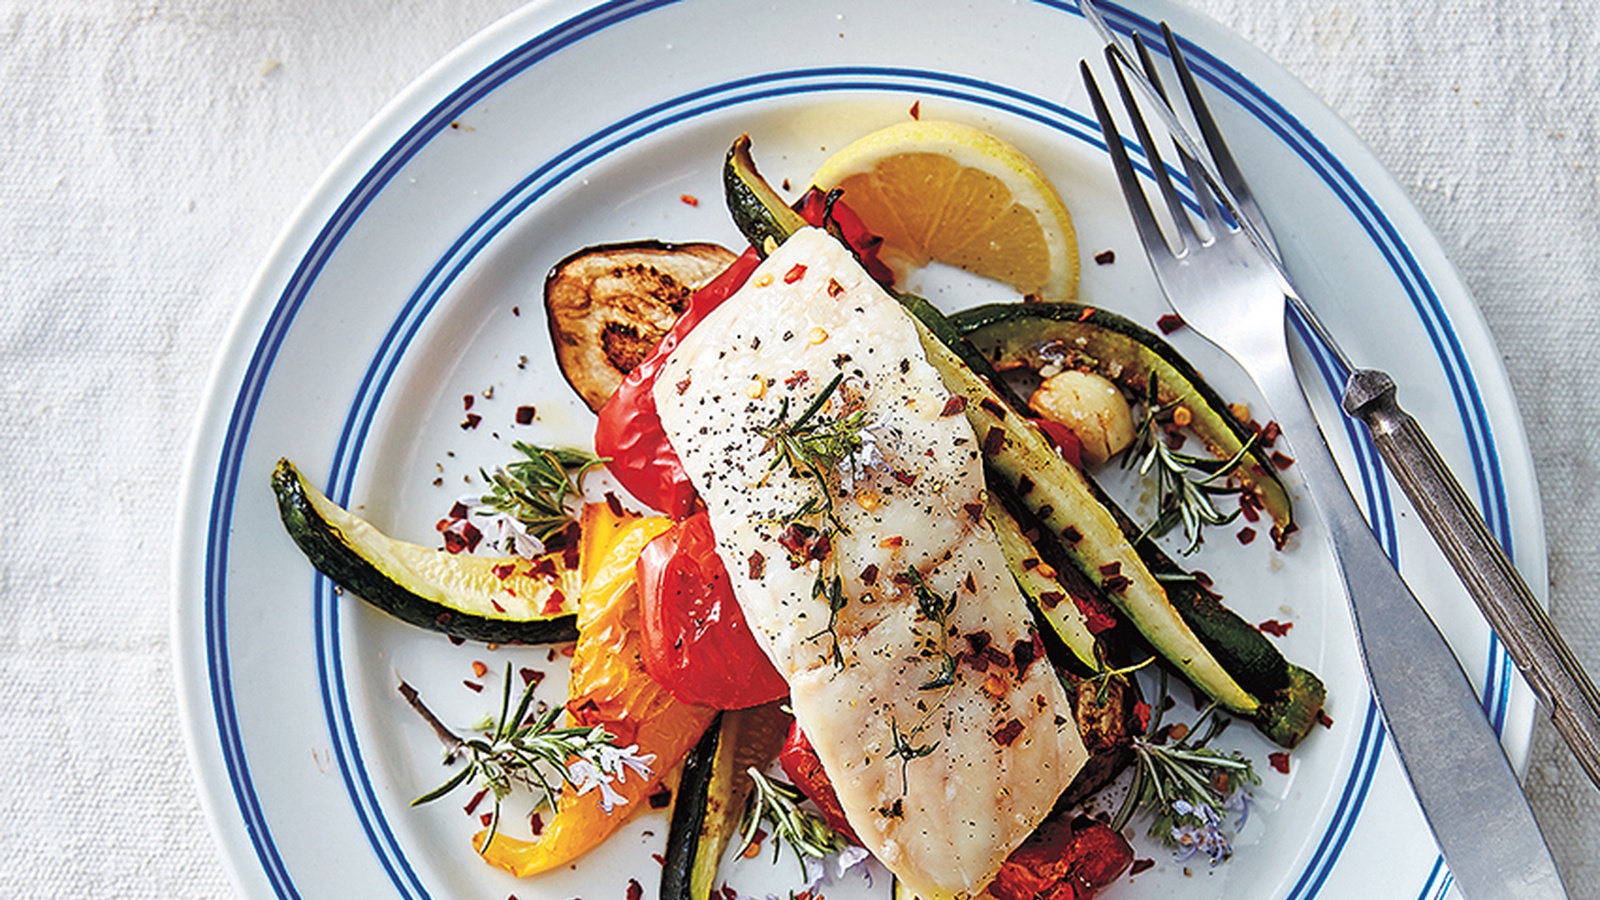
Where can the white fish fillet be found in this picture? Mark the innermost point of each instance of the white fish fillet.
(980, 760)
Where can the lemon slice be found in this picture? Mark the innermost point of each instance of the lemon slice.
(952, 193)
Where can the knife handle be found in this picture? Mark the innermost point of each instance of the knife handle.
(1510, 607)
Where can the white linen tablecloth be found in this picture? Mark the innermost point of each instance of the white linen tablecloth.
(154, 148)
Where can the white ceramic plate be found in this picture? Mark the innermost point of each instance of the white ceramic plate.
(411, 279)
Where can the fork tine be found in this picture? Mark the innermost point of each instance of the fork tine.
(1187, 236)
(1209, 209)
(1221, 157)
(1144, 219)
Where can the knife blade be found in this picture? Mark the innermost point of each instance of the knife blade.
(1464, 784)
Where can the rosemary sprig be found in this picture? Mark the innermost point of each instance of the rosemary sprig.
(1187, 786)
(516, 750)
(814, 443)
(535, 491)
(1180, 498)
(778, 804)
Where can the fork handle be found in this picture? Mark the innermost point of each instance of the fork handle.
(1536, 647)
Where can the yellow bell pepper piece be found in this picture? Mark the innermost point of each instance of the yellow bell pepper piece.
(609, 686)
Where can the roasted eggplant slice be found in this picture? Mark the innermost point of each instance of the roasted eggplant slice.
(609, 306)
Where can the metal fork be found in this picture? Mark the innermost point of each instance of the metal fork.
(1507, 602)
(1227, 289)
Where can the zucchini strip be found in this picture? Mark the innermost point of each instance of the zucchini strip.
(511, 600)
(1039, 334)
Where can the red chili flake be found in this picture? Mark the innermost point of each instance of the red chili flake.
(1279, 761)
(455, 639)
(1115, 584)
(1051, 599)
(530, 677)
(804, 544)
(475, 687)
(503, 570)
(757, 564)
(979, 641)
(1024, 486)
(472, 805)
(682, 385)
(1270, 434)
(516, 311)
(1110, 568)
(1323, 719)
(1246, 535)
(1141, 711)
(660, 798)
(869, 575)
(797, 379)
(1008, 732)
(992, 407)
(834, 287)
(892, 542)
(1105, 257)
(567, 650)
(661, 860)
(459, 511)
(486, 818)
(1275, 627)
(974, 511)
(635, 889)
(971, 584)
(479, 668)
(555, 604)
(545, 567)
(1023, 653)
(1281, 460)
(536, 824)
(1169, 323)
(689, 199)
(1249, 507)
(467, 400)
(794, 274)
(526, 414)
(916, 109)
(1071, 534)
(994, 441)
(957, 403)
(496, 604)
(471, 421)
(1141, 865)
(1084, 316)
(905, 478)
(1031, 563)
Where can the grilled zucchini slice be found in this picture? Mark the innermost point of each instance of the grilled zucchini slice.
(498, 600)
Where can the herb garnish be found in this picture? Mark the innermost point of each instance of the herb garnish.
(813, 443)
(778, 804)
(902, 747)
(1186, 786)
(937, 610)
(519, 750)
(535, 491)
(1180, 499)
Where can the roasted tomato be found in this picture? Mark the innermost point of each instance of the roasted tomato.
(696, 642)
(629, 433)
(1063, 860)
(801, 763)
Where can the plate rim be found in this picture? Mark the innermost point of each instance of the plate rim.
(376, 138)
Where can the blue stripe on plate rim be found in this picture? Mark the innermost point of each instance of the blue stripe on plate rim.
(1242, 91)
